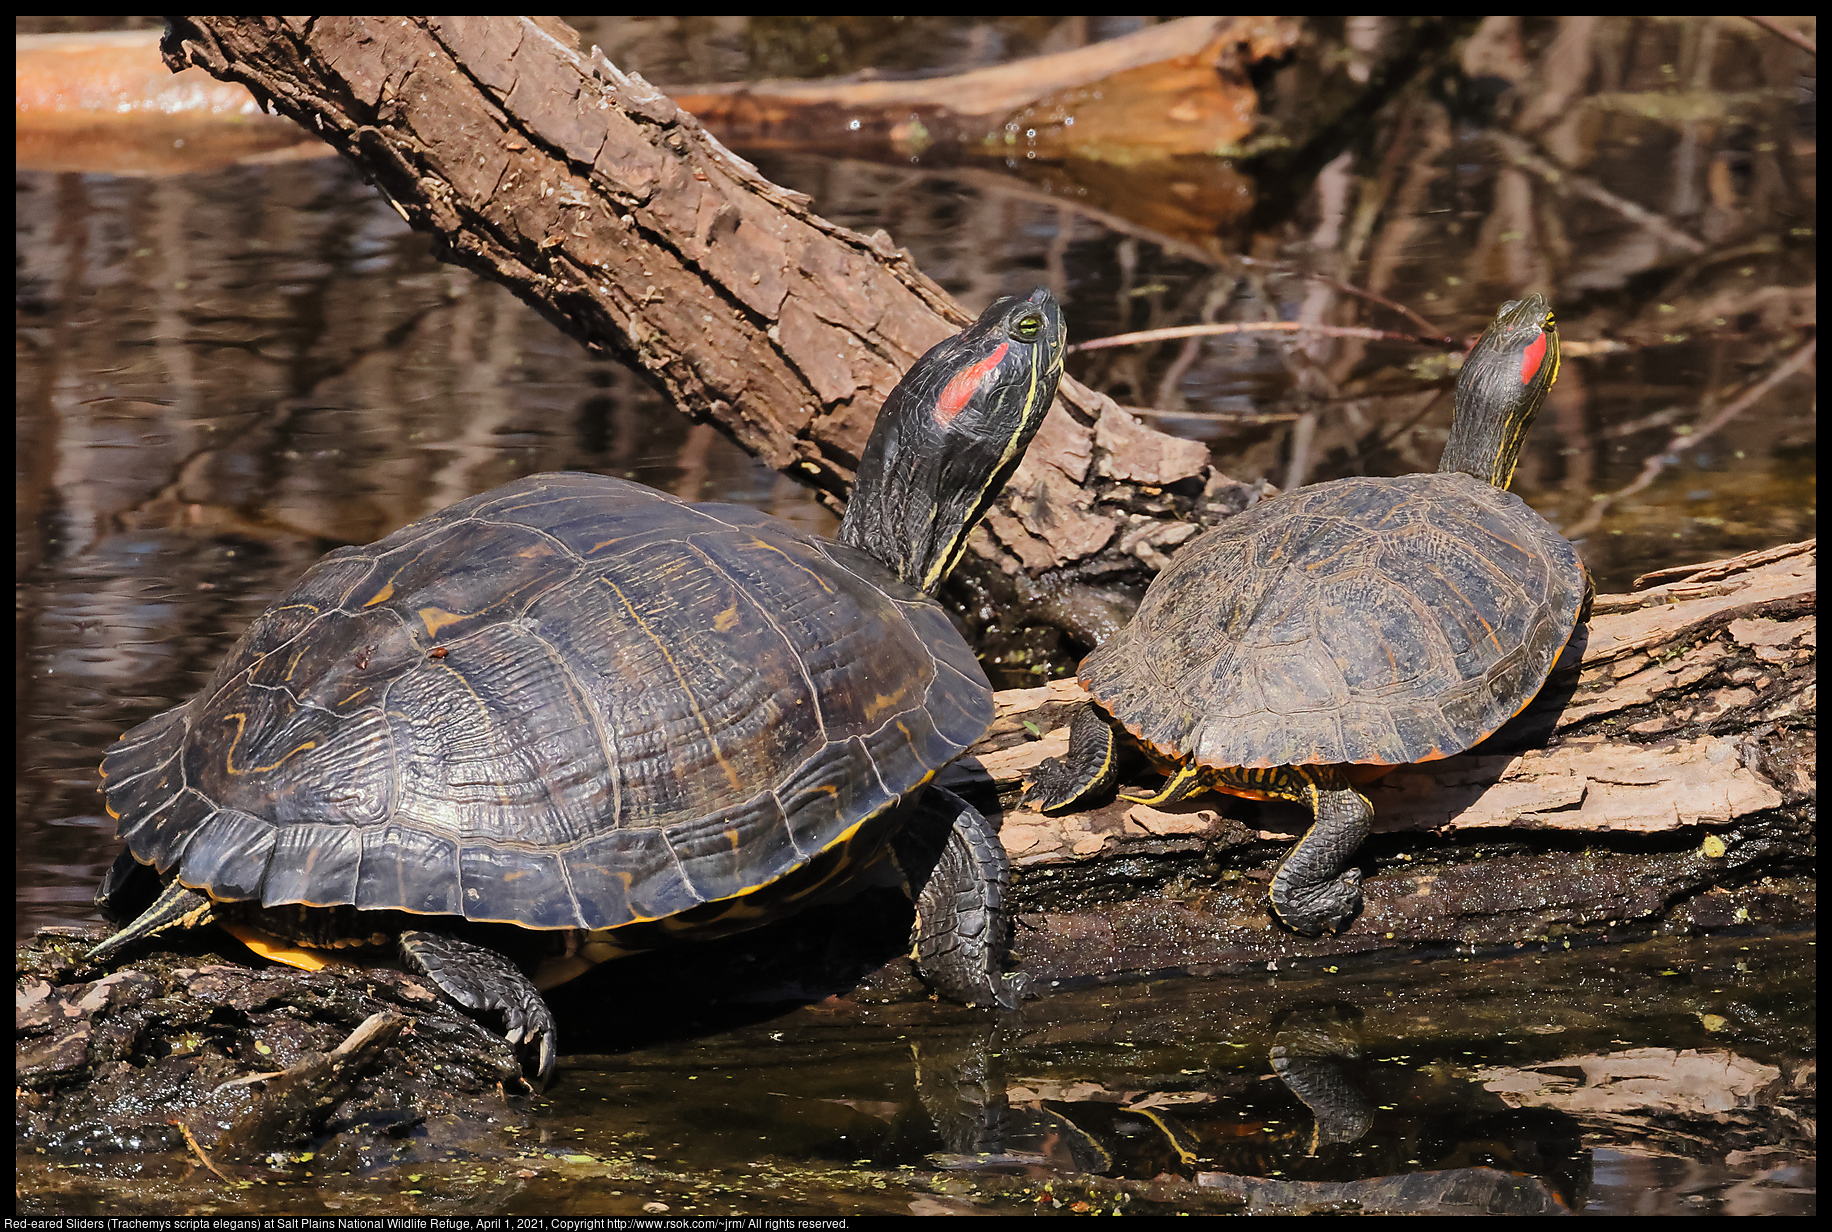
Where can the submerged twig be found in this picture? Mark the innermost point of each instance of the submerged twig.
(198, 1150)
(1565, 180)
(1680, 441)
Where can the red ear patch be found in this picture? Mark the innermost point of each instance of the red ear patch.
(959, 391)
(1530, 359)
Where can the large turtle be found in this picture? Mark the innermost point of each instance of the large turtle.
(574, 718)
(1328, 634)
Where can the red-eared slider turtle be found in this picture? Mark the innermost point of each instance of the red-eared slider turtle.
(574, 717)
(1327, 634)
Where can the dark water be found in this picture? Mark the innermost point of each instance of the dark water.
(1669, 1077)
(224, 374)
(1387, 1069)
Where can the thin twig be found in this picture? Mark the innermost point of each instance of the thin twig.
(1563, 180)
(1351, 289)
(1793, 36)
(1249, 418)
(1258, 327)
(1681, 441)
(198, 1150)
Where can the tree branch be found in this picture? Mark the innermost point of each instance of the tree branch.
(617, 216)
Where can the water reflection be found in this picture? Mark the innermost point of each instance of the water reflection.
(1408, 1086)
(1671, 1076)
(1308, 1112)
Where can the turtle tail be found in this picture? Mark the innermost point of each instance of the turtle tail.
(179, 906)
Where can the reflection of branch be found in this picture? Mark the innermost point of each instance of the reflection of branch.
(1004, 90)
(1564, 180)
(1234, 417)
(1352, 289)
(1687, 440)
(1001, 184)
(1793, 36)
(1580, 348)
(1257, 327)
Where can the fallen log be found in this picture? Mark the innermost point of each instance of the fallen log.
(1662, 779)
(1146, 127)
(615, 214)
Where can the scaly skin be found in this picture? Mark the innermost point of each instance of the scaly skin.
(956, 871)
(490, 987)
(1310, 892)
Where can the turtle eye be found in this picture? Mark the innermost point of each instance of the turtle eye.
(1027, 328)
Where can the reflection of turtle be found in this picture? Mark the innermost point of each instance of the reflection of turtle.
(1308, 1052)
(574, 717)
(1328, 634)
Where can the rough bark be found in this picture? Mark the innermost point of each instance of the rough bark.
(1663, 778)
(616, 215)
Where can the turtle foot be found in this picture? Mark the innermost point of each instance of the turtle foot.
(1053, 786)
(1014, 987)
(1326, 907)
(489, 987)
(1089, 767)
(962, 935)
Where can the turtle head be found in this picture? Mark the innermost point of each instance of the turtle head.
(951, 434)
(1504, 381)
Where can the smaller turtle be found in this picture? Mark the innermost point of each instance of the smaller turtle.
(1325, 636)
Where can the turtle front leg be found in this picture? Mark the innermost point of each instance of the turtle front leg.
(1089, 767)
(1307, 893)
(955, 870)
(488, 986)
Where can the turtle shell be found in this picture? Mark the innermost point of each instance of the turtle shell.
(1379, 621)
(571, 702)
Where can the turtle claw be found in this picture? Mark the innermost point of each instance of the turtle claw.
(489, 987)
(1327, 906)
(1053, 786)
(531, 1031)
(536, 1039)
(1089, 767)
(546, 1054)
